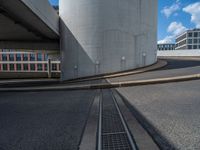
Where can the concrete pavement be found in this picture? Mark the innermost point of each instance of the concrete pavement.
(170, 111)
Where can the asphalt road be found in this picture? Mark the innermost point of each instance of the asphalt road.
(180, 63)
(43, 120)
(55, 120)
(174, 68)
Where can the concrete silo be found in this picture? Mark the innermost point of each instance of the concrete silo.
(105, 36)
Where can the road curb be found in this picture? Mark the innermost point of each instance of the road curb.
(107, 85)
(158, 65)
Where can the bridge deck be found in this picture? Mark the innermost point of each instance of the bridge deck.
(28, 24)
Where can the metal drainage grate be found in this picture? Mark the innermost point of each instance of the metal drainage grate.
(117, 141)
(113, 133)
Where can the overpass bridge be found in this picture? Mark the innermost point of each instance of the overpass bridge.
(28, 24)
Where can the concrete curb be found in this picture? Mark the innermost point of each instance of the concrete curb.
(184, 58)
(158, 65)
(107, 85)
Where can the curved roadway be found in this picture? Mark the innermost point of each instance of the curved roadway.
(55, 120)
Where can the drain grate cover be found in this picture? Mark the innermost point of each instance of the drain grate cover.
(113, 134)
(117, 141)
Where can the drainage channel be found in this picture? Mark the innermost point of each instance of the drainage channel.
(113, 133)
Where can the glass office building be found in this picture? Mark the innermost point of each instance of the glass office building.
(190, 39)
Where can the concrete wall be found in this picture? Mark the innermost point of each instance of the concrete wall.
(179, 53)
(104, 36)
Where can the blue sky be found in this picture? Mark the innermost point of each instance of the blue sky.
(54, 2)
(174, 17)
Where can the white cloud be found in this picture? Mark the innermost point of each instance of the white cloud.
(194, 10)
(169, 10)
(167, 39)
(175, 28)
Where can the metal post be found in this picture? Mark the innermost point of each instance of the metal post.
(97, 67)
(123, 63)
(49, 68)
(75, 71)
(144, 58)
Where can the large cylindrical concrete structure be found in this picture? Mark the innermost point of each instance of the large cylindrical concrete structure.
(105, 36)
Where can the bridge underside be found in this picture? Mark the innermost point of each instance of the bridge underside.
(24, 26)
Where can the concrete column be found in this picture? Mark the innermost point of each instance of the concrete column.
(105, 31)
(49, 68)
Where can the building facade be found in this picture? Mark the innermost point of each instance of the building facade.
(26, 61)
(165, 47)
(190, 39)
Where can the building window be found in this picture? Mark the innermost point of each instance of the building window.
(25, 57)
(19, 67)
(195, 34)
(25, 67)
(39, 57)
(4, 57)
(189, 34)
(45, 67)
(189, 41)
(18, 57)
(195, 41)
(45, 57)
(5, 67)
(12, 67)
(32, 67)
(11, 57)
(5, 50)
(39, 67)
(189, 46)
(32, 57)
(195, 47)
(54, 67)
